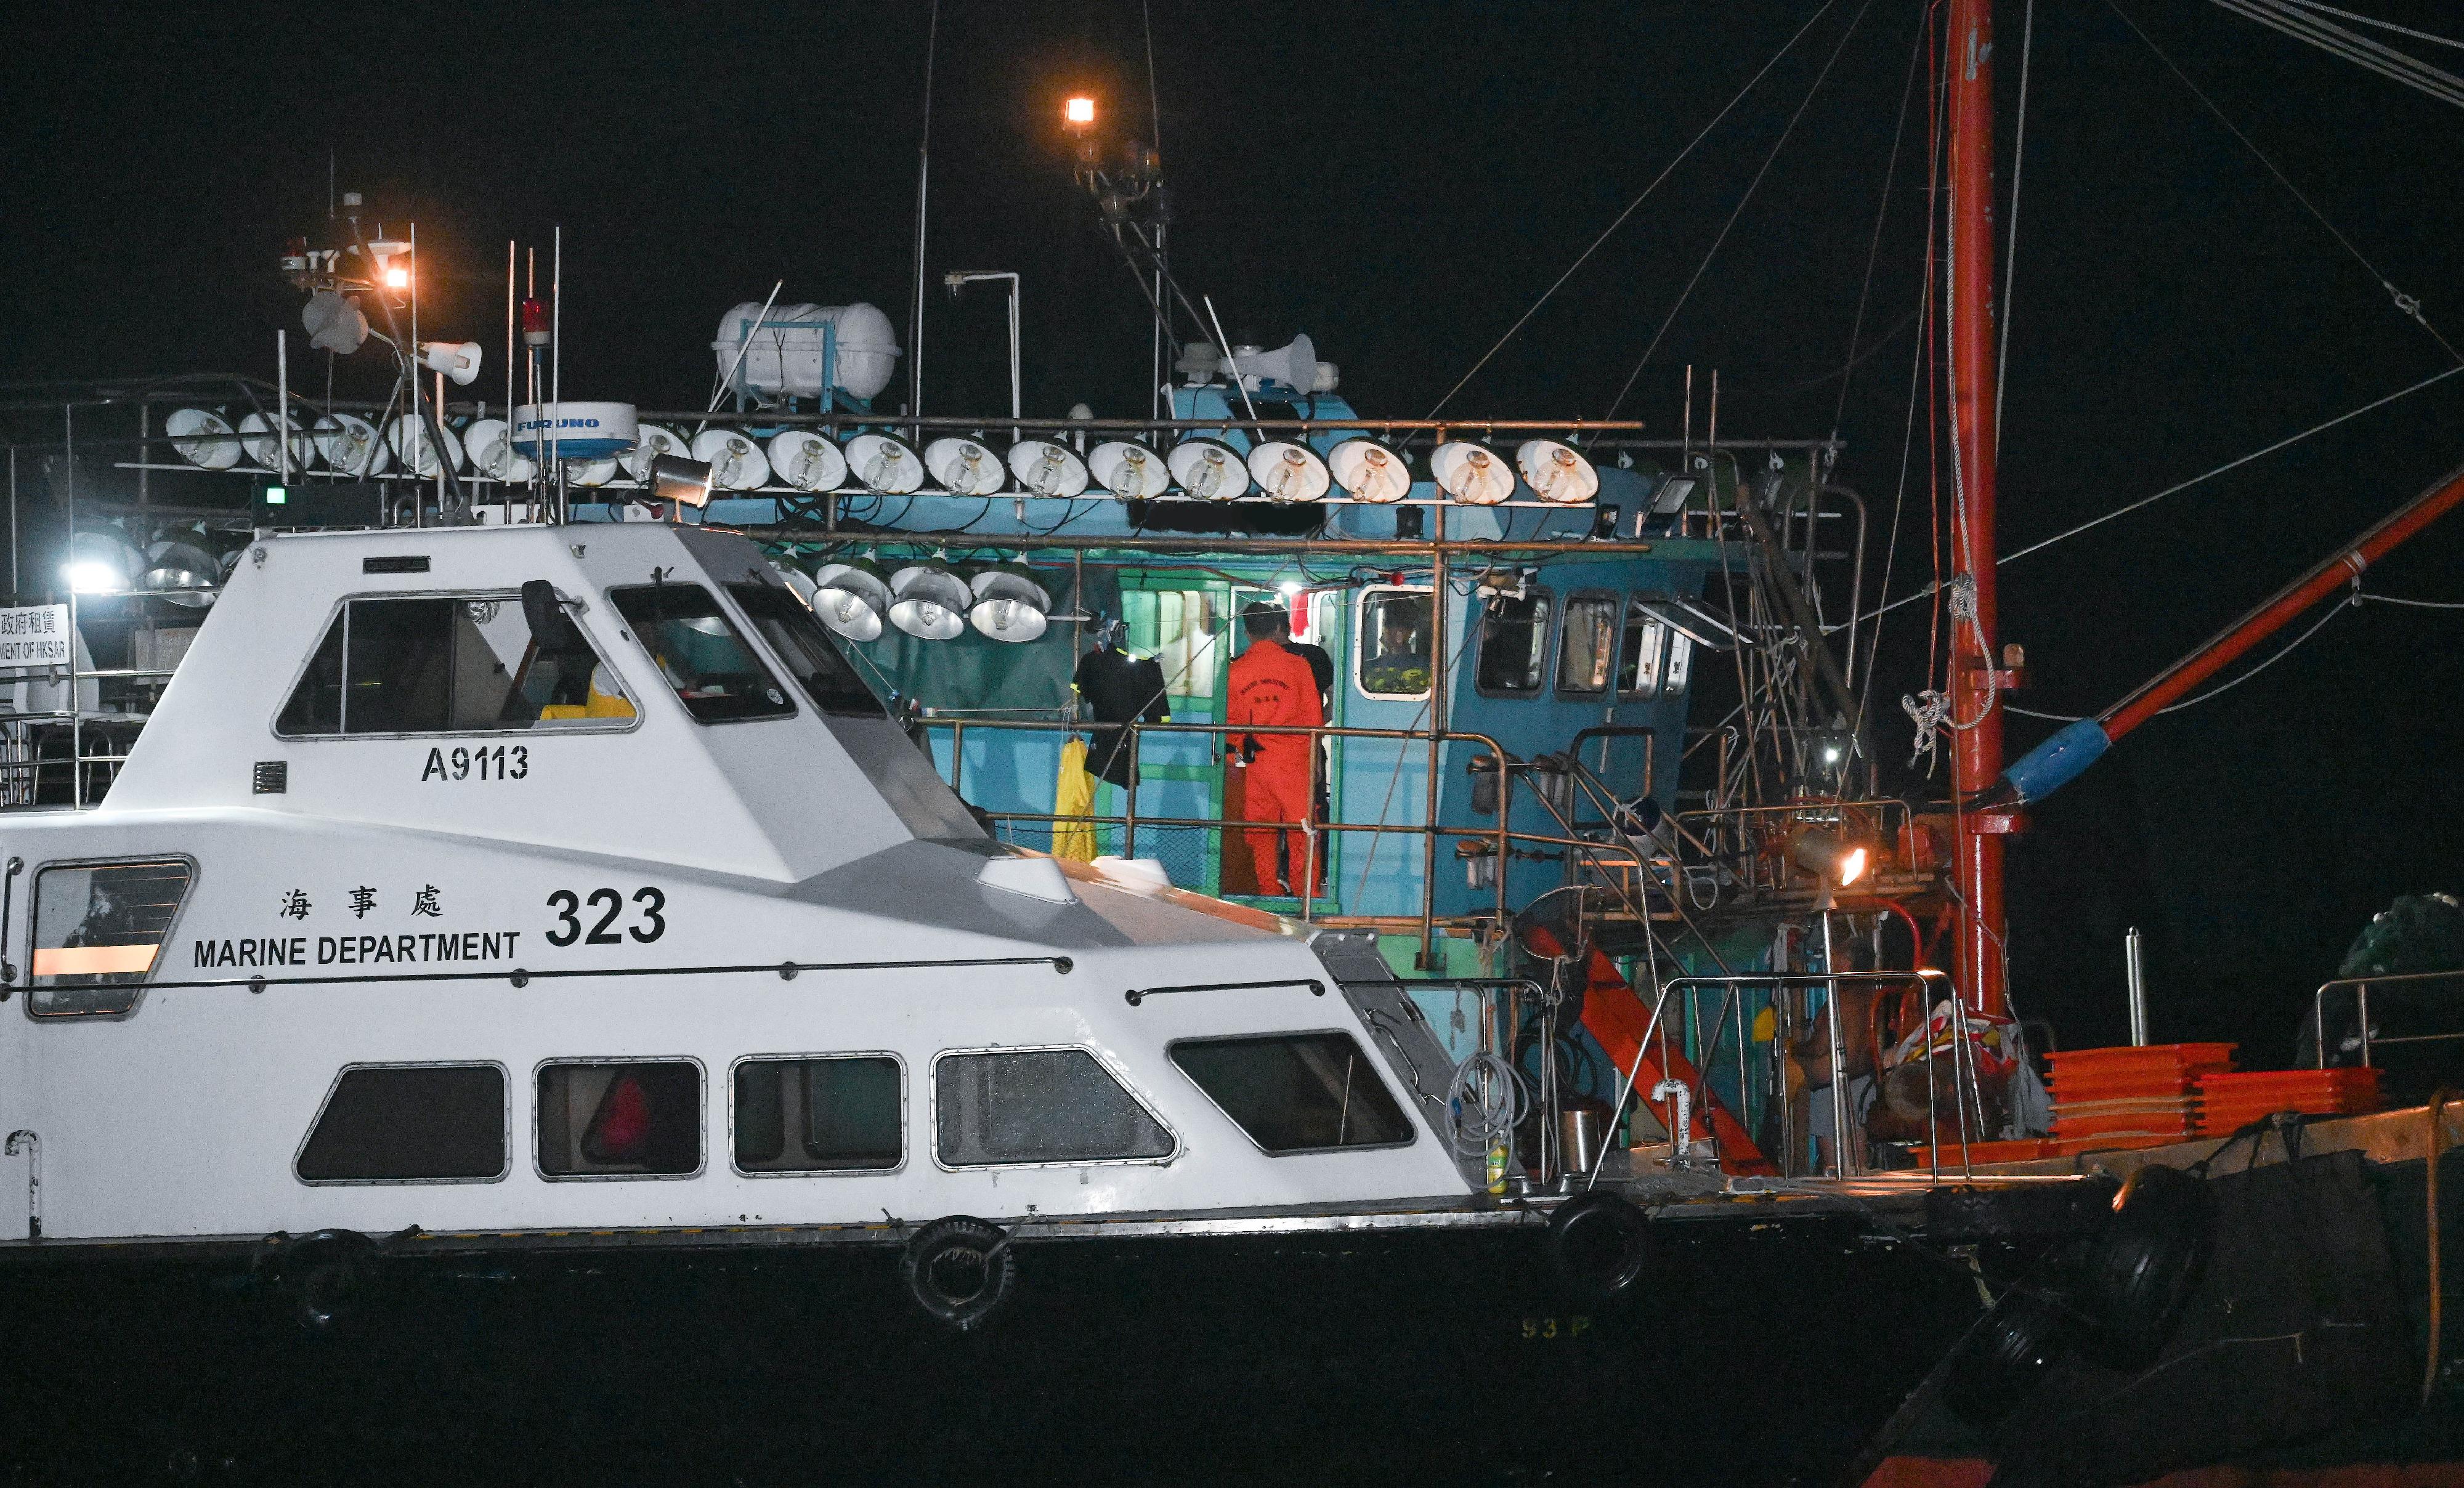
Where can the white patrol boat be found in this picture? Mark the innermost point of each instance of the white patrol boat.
(522, 974)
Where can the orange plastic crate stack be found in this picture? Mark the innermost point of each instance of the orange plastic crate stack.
(2131, 1097)
(2231, 1101)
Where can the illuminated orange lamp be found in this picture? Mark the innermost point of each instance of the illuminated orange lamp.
(1079, 112)
(397, 278)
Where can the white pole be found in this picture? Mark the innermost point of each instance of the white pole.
(282, 407)
(2134, 974)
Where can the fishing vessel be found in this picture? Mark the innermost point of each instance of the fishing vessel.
(559, 937)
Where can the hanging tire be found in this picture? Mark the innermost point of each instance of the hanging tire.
(2005, 1359)
(959, 1270)
(1599, 1245)
(2138, 1276)
(325, 1276)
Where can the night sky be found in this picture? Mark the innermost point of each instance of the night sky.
(1400, 182)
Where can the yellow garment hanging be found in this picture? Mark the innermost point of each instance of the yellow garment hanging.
(1073, 795)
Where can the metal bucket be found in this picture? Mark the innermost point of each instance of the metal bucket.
(1579, 1133)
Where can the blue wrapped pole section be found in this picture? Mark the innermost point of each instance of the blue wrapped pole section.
(2058, 761)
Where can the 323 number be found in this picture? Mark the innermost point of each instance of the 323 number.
(610, 904)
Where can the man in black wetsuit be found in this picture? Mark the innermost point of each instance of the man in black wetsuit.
(1118, 688)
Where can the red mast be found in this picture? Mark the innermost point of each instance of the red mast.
(1976, 754)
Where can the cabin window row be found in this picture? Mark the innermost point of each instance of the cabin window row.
(518, 661)
(839, 1113)
(1604, 642)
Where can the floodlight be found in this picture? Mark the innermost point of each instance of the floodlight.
(263, 448)
(1129, 470)
(1369, 472)
(806, 460)
(965, 467)
(1829, 856)
(1011, 603)
(1289, 472)
(213, 453)
(491, 445)
(852, 599)
(412, 444)
(676, 478)
(887, 465)
(736, 462)
(590, 472)
(930, 602)
(1208, 468)
(458, 361)
(1556, 472)
(349, 443)
(1078, 112)
(1471, 474)
(101, 562)
(1671, 497)
(651, 441)
(1047, 469)
(174, 564)
(798, 582)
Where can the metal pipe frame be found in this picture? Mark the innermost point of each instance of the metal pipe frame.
(2362, 986)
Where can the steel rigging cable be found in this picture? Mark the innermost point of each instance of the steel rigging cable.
(1629, 207)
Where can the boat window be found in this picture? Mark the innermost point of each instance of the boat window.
(1513, 642)
(843, 1114)
(1296, 1092)
(1646, 642)
(99, 929)
(1589, 647)
(408, 1124)
(619, 1119)
(1183, 629)
(811, 656)
(460, 663)
(715, 673)
(1391, 643)
(1037, 1105)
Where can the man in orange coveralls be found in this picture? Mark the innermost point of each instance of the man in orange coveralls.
(1272, 684)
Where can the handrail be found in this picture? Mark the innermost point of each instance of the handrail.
(1502, 836)
(2362, 986)
(1963, 1052)
(522, 976)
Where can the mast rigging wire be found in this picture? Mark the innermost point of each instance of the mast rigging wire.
(2204, 475)
(2221, 688)
(2011, 239)
(1619, 221)
(2371, 20)
(2406, 304)
(1874, 248)
(2351, 46)
(1724, 228)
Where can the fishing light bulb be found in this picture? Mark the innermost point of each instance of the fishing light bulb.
(1852, 866)
(1289, 588)
(1079, 112)
(397, 278)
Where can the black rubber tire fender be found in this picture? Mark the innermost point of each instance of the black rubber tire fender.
(2005, 1358)
(1601, 1245)
(2136, 1277)
(325, 1276)
(959, 1270)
